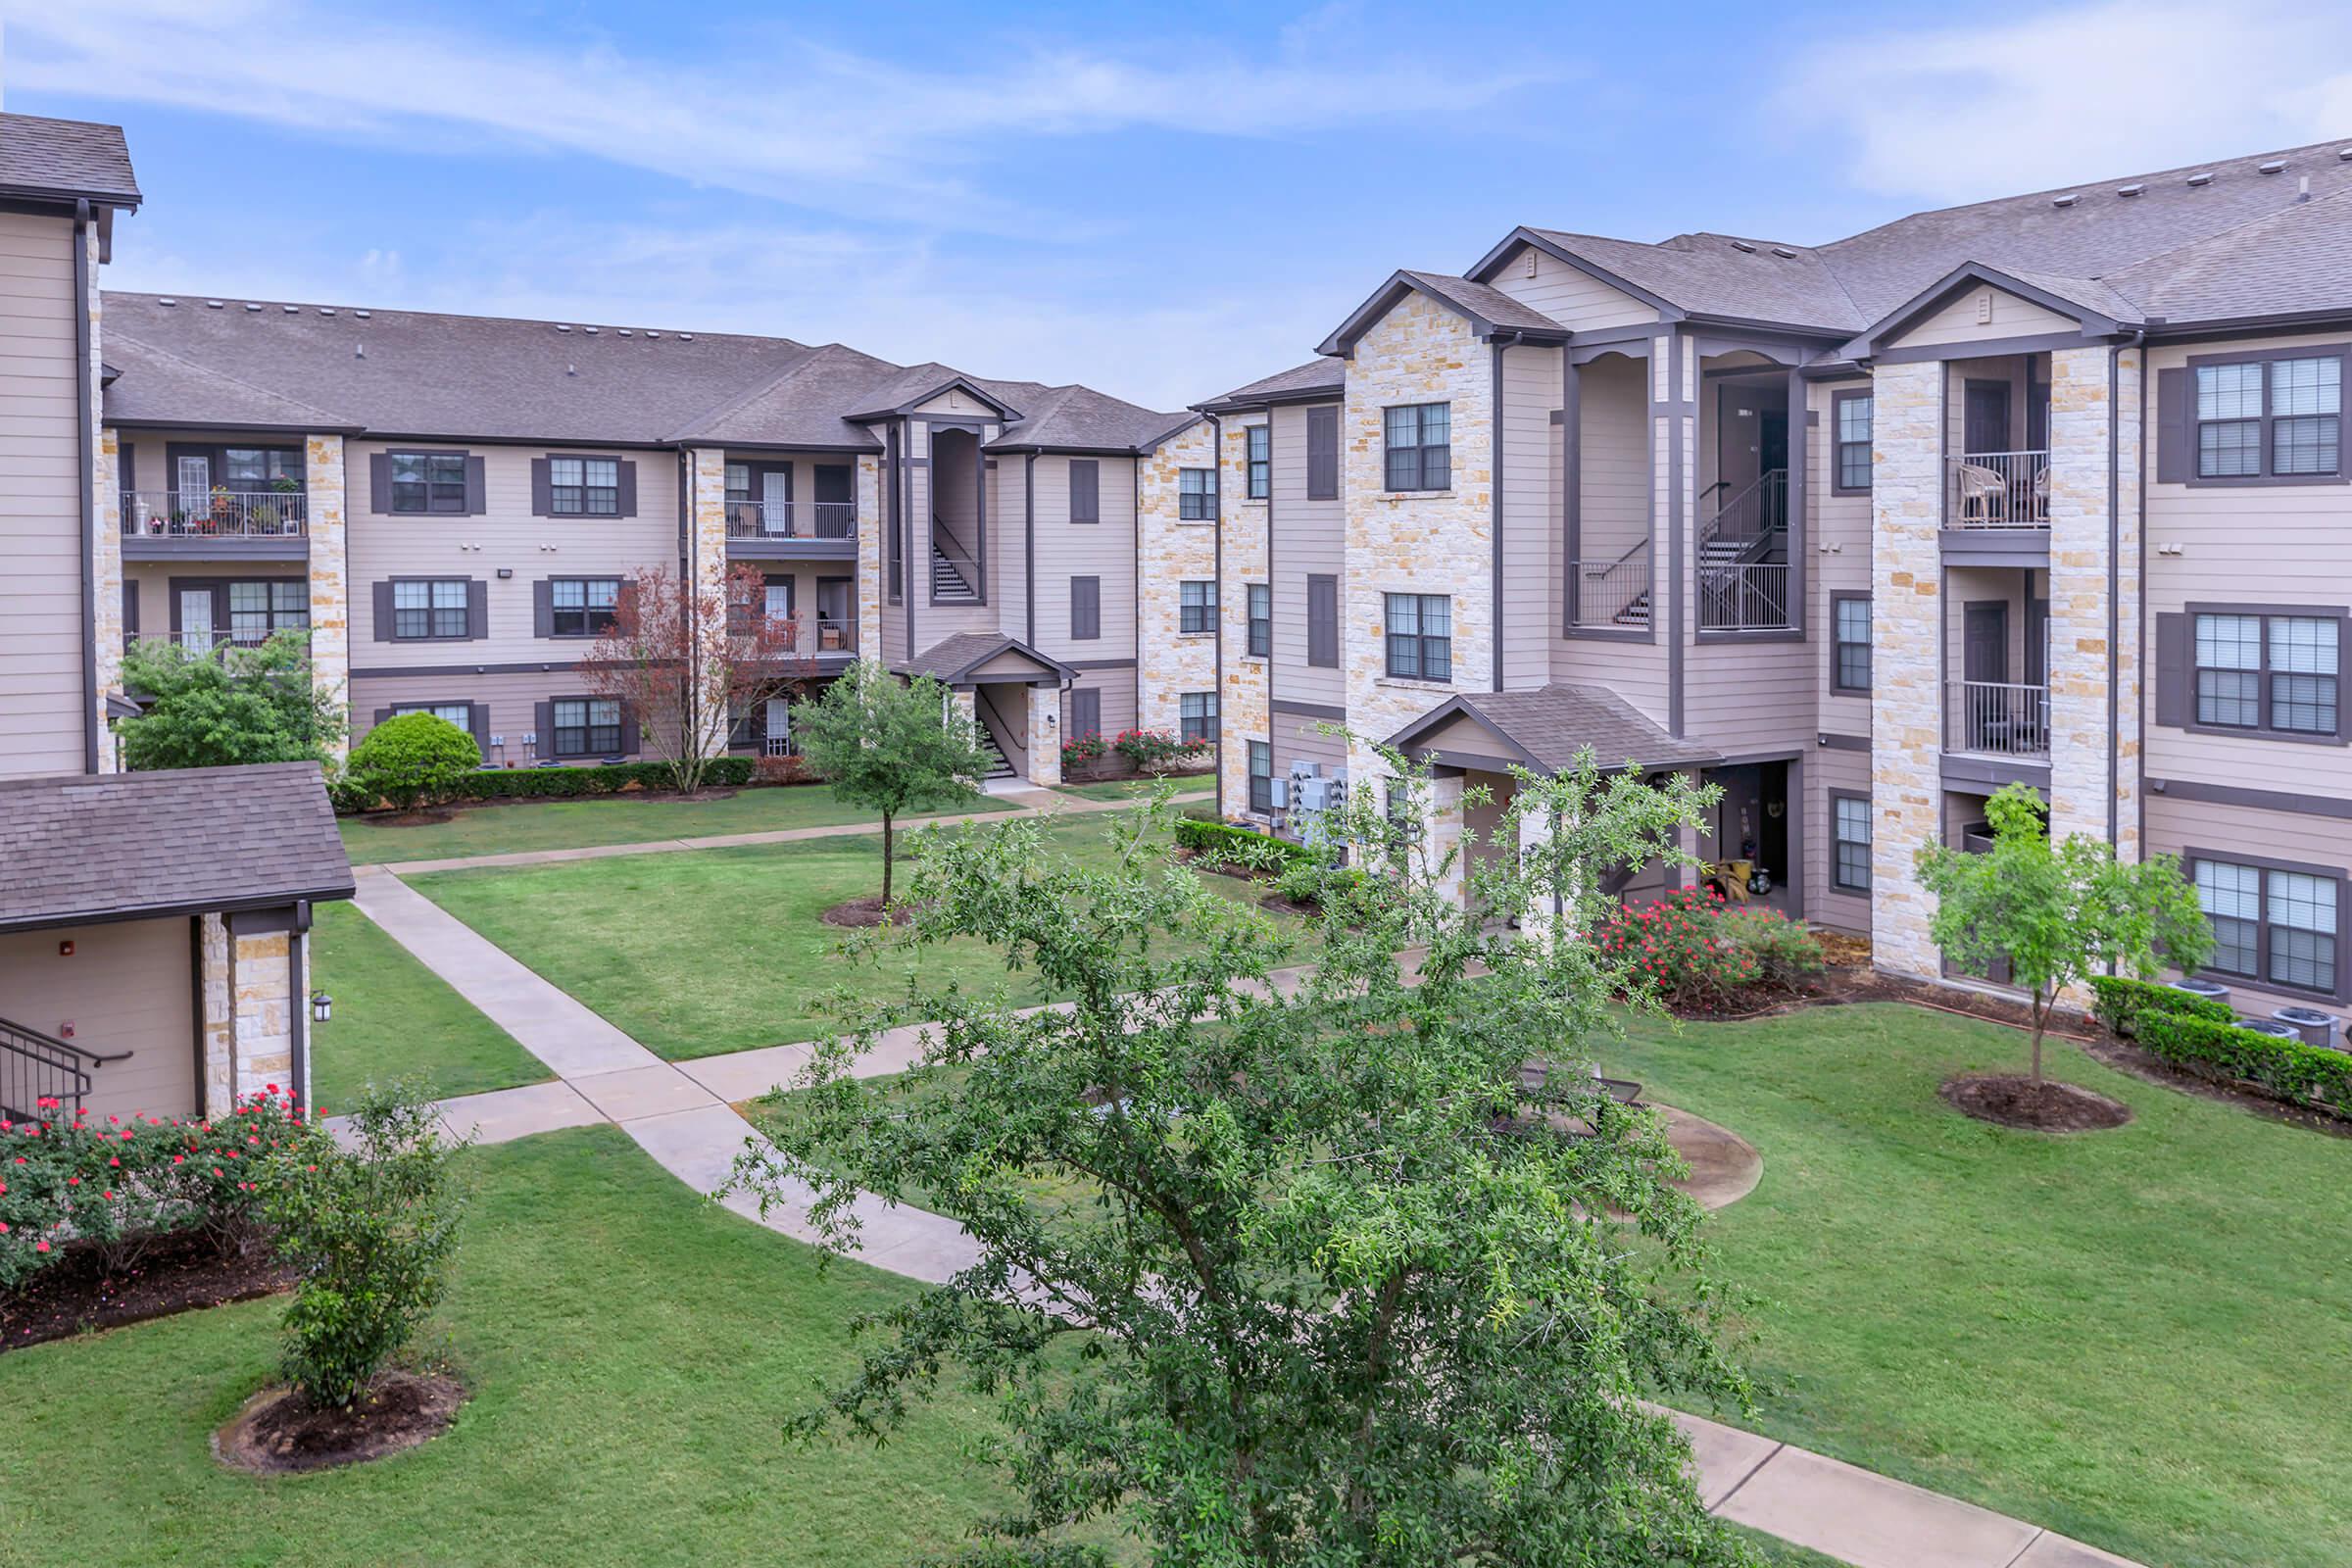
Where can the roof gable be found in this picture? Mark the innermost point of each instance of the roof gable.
(65, 160)
(1547, 728)
(971, 655)
(1975, 303)
(1490, 312)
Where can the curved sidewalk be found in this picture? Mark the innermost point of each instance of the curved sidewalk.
(682, 1114)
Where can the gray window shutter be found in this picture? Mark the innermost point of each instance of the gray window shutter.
(2175, 426)
(543, 725)
(380, 483)
(476, 487)
(130, 606)
(542, 608)
(1323, 454)
(477, 609)
(126, 467)
(481, 727)
(1086, 608)
(1323, 620)
(383, 612)
(630, 740)
(542, 492)
(382, 713)
(1086, 490)
(2173, 676)
(628, 488)
(1086, 712)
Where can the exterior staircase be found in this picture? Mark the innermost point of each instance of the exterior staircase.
(34, 1066)
(998, 767)
(949, 583)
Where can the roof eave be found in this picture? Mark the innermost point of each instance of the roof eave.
(276, 898)
(1484, 271)
(2094, 323)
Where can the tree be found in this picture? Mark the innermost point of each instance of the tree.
(412, 759)
(686, 658)
(890, 746)
(1329, 1275)
(2058, 913)
(228, 705)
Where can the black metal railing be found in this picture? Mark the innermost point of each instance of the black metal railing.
(216, 513)
(41, 1077)
(792, 519)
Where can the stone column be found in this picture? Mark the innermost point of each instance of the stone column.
(1906, 702)
(1245, 710)
(1045, 734)
(108, 577)
(1541, 923)
(264, 1003)
(2094, 624)
(1442, 836)
(706, 569)
(329, 575)
(870, 524)
(219, 1087)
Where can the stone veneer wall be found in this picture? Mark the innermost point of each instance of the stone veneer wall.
(2084, 671)
(1906, 677)
(1244, 713)
(107, 548)
(219, 1087)
(707, 549)
(264, 1017)
(1428, 542)
(329, 573)
(1045, 735)
(870, 558)
(1171, 551)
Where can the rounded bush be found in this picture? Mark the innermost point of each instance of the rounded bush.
(412, 760)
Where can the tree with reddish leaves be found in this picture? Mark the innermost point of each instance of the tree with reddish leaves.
(684, 658)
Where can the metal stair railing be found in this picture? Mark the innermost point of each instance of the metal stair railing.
(34, 1066)
(1745, 526)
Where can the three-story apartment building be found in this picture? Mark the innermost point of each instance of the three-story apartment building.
(2050, 489)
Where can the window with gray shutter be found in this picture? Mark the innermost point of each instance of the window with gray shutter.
(1323, 620)
(1086, 490)
(1084, 717)
(1086, 608)
(1323, 454)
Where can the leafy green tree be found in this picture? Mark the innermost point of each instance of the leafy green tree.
(226, 707)
(892, 746)
(1332, 1275)
(411, 758)
(2058, 913)
(372, 1228)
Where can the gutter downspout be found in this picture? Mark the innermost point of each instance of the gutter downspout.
(86, 472)
(2139, 789)
(1216, 463)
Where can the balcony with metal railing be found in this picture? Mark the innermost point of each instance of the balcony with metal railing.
(792, 527)
(2004, 720)
(2001, 490)
(1612, 594)
(252, 525)
(1744, 596)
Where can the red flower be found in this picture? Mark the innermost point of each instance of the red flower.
(41, 1245)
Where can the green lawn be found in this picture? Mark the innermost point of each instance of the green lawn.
(2139, 1338)
(1130, 789)
(720, 949)
(632, 1349)
(613, 819)
(395, 1019)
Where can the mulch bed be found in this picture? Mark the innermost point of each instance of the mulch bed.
(176, 1274)
(281, 1432)
(860, 914)
(2048, 1106)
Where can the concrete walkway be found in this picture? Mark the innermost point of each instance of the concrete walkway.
(682, 1114)
(1033, 803)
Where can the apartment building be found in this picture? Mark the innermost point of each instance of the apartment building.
(2049, 489)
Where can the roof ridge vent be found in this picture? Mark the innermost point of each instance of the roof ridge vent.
(167, 300)
(590, 330)
(2344, 154)
(2132, 189)
(561, 328)
(363, 314)
(251, 305)
(214, 305)
(291, 310)
(1784, 252)
(2067, 200)
(2203, 176)
(1744, 247)
(650, 332)
(2271, 167)
(327, 310)
(685, 337)
(622, 330)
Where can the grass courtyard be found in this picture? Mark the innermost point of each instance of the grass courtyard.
(721, 950)
(395, 1019)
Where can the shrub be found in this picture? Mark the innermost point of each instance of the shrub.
(2123, 1002)
(1156, 750)
(776, 770)
(411, 759)
(1787, 953)
(2311, 1076)
(565, 783)
(226, 707)
(119, 1185)
(1224, 844)
(1676, 948)
(1081, 749)
(372, 1229)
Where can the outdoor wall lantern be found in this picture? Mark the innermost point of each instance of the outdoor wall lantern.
(323, 1006)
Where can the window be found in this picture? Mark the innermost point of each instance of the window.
(429, 481)
(1196, 607)
(1403, 819)
(2276, 925)
(1262, 776)
(584, 487)
(1421, 636)
(1196, 716)
(586, 726)
(1420, 447)
(256, 610)
(583, 606)
(739, 484)
(1086, 608)
(1849, 836)
(1260, 438)
(1323, 620)
(249, 469)
(429, 608)
(2279, 418)
(2272, 673)
(1323, 454)
(1853, 413)
(458, 714)
(1196, 495)
(1086, 490)
(1261, 620)
(1849, 668)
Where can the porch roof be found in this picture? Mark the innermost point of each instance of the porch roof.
(955, 658)
(1545, 728)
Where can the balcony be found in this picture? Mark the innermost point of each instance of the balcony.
(2000, 719)
(1611, 595)
(792, 527)
(1997, 490)
(1744, 596)
(248, 524)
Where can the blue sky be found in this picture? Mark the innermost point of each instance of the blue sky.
(1162, 202)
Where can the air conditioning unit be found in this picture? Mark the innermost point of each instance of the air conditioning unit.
(1278, 792)
(1314, 794)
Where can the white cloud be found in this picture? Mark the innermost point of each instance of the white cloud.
(1986, 108)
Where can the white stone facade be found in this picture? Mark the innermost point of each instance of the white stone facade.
(323, 475)
(1243, 697)
(2093, 665)
(1171, 551)
(1906, 678)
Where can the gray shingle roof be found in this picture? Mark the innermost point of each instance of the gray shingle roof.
(1488, 309)
(1546, 726)
(165, 377)
(1709, 275)
(65, 158)
(1318, 375)
(2286, 263)
(1079, 419)
(127, 845)
(951, 657)
(799, 407)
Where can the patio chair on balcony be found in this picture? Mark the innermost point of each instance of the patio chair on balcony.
(1984, 494)
(2041, 494)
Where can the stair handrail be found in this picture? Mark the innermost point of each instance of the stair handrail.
(942, 542)
(1771, 486)
(990, 703)
(23, 1048)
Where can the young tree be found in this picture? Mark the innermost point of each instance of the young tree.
(411, 758)
(890, 744)
(2058, 913)
(226, 707)
(1345, 1279)
(684, 658)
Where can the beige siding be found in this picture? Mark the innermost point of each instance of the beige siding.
(1105, 550)
(1847, 772)
(2176, 826)
(1572, 298)
(1614, 478)
(1532, 523)
(2004, 315)
(511, 698)
(127, 987)
(1836, 558)
(1117, 687)
(1307, 539)
(1743, 695)
(41, 724)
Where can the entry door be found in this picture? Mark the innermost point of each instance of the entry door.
(196, 619)
(775, 500)
(836, 500)
(194, 476)
(1984, 653)
(1988, 417)
(778, 728)
(832, 615)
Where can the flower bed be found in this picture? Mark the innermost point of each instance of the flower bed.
(1698, 955)
(1092, 758)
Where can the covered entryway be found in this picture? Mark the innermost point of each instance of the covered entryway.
(1012, 692)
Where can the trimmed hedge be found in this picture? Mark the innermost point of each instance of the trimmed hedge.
(2311, 1076)
(2122, 1002)
(572, 783)
(1240, 846)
